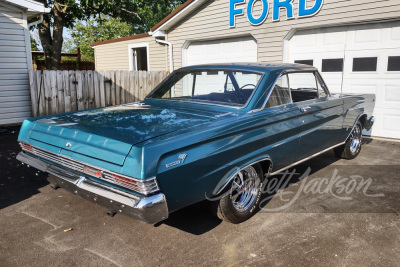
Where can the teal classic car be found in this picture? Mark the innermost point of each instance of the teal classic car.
(208, 132)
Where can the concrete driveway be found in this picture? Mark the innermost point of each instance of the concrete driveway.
(310, 222)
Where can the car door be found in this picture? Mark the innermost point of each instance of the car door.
(283, 125)
(320, 114)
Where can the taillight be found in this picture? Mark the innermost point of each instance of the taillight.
(124, 181)
(26, 147)
(93, 172)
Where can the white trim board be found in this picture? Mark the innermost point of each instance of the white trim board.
(132, 46)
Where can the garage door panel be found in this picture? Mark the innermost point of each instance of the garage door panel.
(242, 49)
(374, 40)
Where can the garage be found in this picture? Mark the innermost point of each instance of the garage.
(242, 49)
(368, 58)
(355, 44)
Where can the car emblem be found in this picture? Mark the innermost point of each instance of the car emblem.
(181, 159)
(68, 144)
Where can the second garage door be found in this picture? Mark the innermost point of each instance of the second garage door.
(368, 56)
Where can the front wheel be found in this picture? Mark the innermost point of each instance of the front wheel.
(240, 202)
(352, 147)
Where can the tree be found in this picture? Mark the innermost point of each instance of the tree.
(34, 45)
(85, 33)
(142, 14)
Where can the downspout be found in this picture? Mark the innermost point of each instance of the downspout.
(36, 22)
(171, 62)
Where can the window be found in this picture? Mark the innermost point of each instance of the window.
(365, 64)
(233, 88)
(138, 58)
(280, 94)
(393, 63)
(305, 62)
(332, 65)
(303, 86)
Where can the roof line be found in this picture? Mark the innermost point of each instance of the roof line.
(171, 15)
(131, 37)
(155, 27)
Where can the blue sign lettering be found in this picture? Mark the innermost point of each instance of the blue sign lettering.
(287, 4)
(306, 12)
(262, 17)
(234, 12)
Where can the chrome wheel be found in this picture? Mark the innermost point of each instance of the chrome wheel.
(355, 139)
(245, 188)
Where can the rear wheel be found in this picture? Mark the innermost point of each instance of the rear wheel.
(243, 197)
(352, 147)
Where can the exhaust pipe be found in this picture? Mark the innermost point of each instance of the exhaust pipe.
(111, 213)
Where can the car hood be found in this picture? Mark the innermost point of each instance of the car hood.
(109, 133)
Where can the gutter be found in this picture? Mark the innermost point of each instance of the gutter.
(171, 62)
(36, 22)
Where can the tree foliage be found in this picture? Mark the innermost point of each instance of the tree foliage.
(34, 45)
(85, 33)
(141, 14)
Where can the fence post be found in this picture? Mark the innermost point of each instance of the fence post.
(34, 92)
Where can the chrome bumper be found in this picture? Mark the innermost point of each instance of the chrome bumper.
(150, 209)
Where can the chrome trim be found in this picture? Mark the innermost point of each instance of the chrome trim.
(285, 72)
(151, 209)
(146, 186)
(305, 159)
(269, 94)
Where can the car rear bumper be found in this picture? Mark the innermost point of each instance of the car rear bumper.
(151, 209)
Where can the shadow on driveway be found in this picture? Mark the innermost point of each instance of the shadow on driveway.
(17, 182)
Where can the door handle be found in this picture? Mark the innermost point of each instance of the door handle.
(304, 109)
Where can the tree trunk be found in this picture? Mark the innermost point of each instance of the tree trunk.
(46, 40)
(52, 45)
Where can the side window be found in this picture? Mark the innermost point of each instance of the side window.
(303, 86)
(280, 94)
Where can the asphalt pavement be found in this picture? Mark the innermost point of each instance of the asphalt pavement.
(344, 213)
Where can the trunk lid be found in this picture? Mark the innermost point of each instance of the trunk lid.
(109, 133)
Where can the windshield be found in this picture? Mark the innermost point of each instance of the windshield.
(225, 87)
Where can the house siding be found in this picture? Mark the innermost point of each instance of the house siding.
(15, 103)
(115, 56)
(211, 22)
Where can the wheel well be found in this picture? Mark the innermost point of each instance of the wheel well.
(266, 166)
(363, 120)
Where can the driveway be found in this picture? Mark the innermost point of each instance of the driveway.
(345, 213)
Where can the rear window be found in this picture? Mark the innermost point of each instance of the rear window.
(226, 87)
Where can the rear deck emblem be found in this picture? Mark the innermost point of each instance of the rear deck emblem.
(181, 159)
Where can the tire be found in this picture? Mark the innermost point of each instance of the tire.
(243, 196)
(352, 147)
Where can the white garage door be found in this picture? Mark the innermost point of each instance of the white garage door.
(371, 56)
(242, 49)
(222, 51)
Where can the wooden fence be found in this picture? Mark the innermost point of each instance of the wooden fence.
(63, 91)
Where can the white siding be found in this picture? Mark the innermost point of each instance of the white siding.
(211, 22)
(14, 80)
(115, 56)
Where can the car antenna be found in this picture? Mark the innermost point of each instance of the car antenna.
(344, 57)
